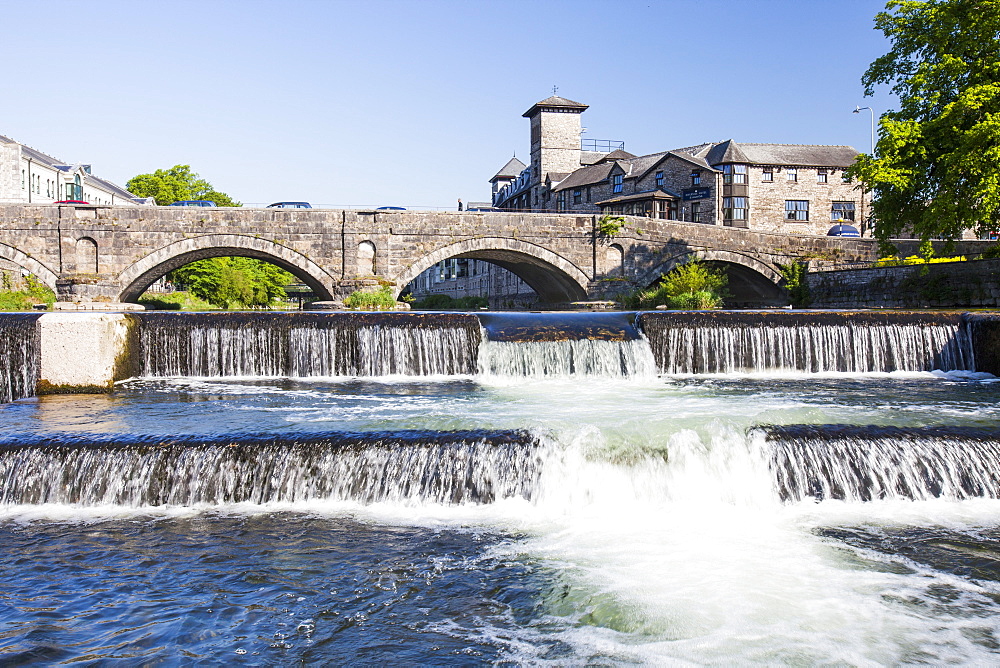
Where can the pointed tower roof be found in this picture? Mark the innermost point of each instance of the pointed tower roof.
(511, 170)
(556, 102)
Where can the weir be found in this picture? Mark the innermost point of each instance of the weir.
(90, 352)
(865, 463)
(407, 466)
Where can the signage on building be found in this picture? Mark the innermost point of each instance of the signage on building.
(694, 193)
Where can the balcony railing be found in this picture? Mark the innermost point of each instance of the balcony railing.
(601, 145)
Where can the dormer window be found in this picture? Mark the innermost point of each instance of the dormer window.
(616, 182)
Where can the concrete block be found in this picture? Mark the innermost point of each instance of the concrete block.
(81, 352)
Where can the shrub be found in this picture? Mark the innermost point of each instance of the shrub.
(691, 286)
(610, 226)
(795, 282)
(380, 300)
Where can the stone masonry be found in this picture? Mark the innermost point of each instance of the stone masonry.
(92, 253)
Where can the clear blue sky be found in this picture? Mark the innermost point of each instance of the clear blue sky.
(417, 103)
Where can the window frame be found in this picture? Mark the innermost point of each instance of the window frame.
(792, 174)
(617, 182)
(795, 213)
(730, 208)
(834, 210)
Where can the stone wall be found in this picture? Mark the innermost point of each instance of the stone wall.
(972, 284)
(767, 200)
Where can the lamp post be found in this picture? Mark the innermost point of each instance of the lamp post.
(858, 110)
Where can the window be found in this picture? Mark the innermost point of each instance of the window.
(844, 178)
(733, 208)
(695, 177)
(797, 209)
(672, 209)
(734, 174)
(842, 211)
(696, 212)
(588, 194)
(659, 179)
(561, 201)
(616, 183)
(767, 174)
(577, 196)
(792, 174)
(820, 176)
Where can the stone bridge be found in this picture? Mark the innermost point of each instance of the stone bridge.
(94, 253)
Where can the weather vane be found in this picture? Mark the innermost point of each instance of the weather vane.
(555, 89)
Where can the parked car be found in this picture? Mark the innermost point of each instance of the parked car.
(391, 208)
(483, 208)
(194, 202)
(71, 201)
(289, 205)
(843, 231)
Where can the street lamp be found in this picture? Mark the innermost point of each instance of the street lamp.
(858, 110)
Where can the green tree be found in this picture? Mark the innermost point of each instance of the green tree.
(178, 183)
(936, 171)
(225, 282)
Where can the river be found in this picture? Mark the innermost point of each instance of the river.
(518, 492)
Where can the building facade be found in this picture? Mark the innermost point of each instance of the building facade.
(464, 277)
(785, 188)
(28, 176)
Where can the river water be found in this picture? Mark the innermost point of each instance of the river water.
(560, 501)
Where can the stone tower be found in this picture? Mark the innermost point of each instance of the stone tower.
(555, 137)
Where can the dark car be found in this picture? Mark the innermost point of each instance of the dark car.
(391, 208)
(71, 201)
(194, 202)
(843, 231)
(289, 205)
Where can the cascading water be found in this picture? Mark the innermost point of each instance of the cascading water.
(439, 467)
(564, 504)
(575, 344)
(862, 463)
(306, 344)
(18, 356)
(732, 342)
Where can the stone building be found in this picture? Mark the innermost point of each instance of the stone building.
(28, 176)
(464, 277)
(786, 188)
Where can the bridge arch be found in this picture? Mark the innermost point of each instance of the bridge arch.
(140, 275)
(750, 280)
(554, 278)
(36, 268)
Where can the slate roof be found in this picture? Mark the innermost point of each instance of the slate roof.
(804, 155)
(645, 194)
(511, 170)
(619, 155)
(555, 102)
